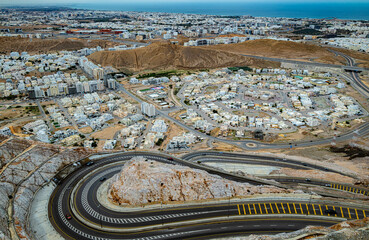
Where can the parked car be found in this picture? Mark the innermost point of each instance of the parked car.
(68, 216)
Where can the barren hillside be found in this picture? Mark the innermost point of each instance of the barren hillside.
(167, 56)
(281, 49)
(17, 44)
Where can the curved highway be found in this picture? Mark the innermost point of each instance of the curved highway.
(76, 196)
(226, 157)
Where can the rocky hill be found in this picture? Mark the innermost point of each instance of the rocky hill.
(168, 56)
(24, 167)
(281, 49)
(144, 182)
(17, 44)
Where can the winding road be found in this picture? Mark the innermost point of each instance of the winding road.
(76, 195)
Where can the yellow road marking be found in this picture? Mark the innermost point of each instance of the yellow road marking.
(350, 189)
(360, 191)
(307, 209)
(348, 210)
(289, 210)
(334, 185)
(364, 192)
(283, 208)
(276, 207)
(320, 208)
(364, 213)
(326, 207)
(254, 208)
(357, 190)
(357, 216)
(266, 208)
(314, 209)
(294, 207)
(244, 211)
(271, 208)
(334, 210)
(261, 211)
(239, 212)
(302, 212)
(249, 208)
(342, 213)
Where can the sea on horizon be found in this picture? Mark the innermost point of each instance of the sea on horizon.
(341, 10)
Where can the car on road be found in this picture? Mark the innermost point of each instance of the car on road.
(68, 216)
(102, 179)
(56, 180)
(308, 180)
(330, 211)
(90, 163)
(170, 158)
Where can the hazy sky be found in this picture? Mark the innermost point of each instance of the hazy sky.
(66, 2)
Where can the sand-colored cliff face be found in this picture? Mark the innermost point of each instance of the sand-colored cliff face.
(143, 182)
(168, 56)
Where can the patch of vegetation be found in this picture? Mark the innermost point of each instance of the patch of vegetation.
(168, 74)
(33, 109)
(245, 68)
(176, 90)
(11, 97)
(308, 31)
(187, 102)
(351, 152)
(159, 142)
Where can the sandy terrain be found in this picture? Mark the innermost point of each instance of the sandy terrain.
(107, 133)
(11, 44)
(86, 130)
(314, 174)
(363, 58)
(173, 130)
(225, 147)
(17, 112)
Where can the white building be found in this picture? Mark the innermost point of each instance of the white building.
(148, 109)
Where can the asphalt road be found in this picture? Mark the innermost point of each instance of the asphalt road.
(88, 209)
(226, 157)
(254, 144)
(350, 67)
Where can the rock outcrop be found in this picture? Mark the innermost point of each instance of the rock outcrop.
(24, 167)
(143, 182)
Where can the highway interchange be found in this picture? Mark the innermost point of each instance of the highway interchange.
(76, 196)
